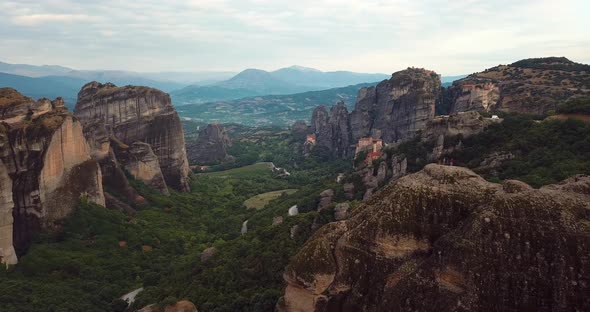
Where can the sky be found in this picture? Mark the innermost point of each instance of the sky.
(450, 37)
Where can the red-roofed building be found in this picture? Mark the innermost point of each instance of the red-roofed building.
(368, 144)
(372, 156)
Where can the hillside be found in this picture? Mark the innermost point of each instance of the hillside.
(533, 86)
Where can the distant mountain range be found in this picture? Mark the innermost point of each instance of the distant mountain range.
(184, 87)
(48, 86)
(51, 81)
(252, 82)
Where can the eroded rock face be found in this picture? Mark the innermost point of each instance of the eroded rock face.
(321, 128)
(136, 114)
(447, 132)
(103, 146)
(444, 239)
(45, 167)
(211, 145)
(141, 162)
(533, 86)
(7, 252)
(325, 199)
(299, 130)
(332, 130)
(396, 109)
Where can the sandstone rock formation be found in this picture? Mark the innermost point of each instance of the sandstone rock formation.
(399, 165)
(444, 239)
(325, 199)
(348, 190)
(332, 131)
(103, 152)
(493, 162)
(135, 114)
(396, 109)
(528, 86)
(299, 130)
(7, 252)
(448, 131)
(211, 145)
(141, 162)
(341, 211)
(45, 167)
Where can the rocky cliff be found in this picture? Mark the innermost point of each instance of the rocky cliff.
(211, 145)
(332, 130)
(396, 109)
(444, 239)
(141, 162)
(133, 114)
(533, 86)
(447, 132)
(45, 167)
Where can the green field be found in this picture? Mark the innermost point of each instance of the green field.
(255, 170)
(261, 200)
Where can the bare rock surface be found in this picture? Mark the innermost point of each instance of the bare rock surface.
(141, 162)
(445, 239)
(45, 168)
(396, 109)
(533, 86)
(211, 145)
(135, 114)
(332, 130)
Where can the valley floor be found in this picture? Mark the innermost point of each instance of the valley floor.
(101, 254)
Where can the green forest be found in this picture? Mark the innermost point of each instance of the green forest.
(101, 254)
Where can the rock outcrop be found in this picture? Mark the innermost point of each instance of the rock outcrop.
(444, 239)
(325, 201)
(45, 167)
(332, 130)
(396, 109)
(141, 162)
(533, 86)
(299, 130)
(7, 252)
(134, 114)
(448, 131)
(211, 145)
(341, 211)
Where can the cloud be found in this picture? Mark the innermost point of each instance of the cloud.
(36, 19)
(371, 35)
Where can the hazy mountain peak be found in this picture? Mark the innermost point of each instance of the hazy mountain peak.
(303, 68)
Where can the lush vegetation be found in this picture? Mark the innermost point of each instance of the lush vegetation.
(102, 254)
(552, 63)
(544, 151)
(580, 105)
(535, 151)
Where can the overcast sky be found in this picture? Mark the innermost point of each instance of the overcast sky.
(454, 37)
